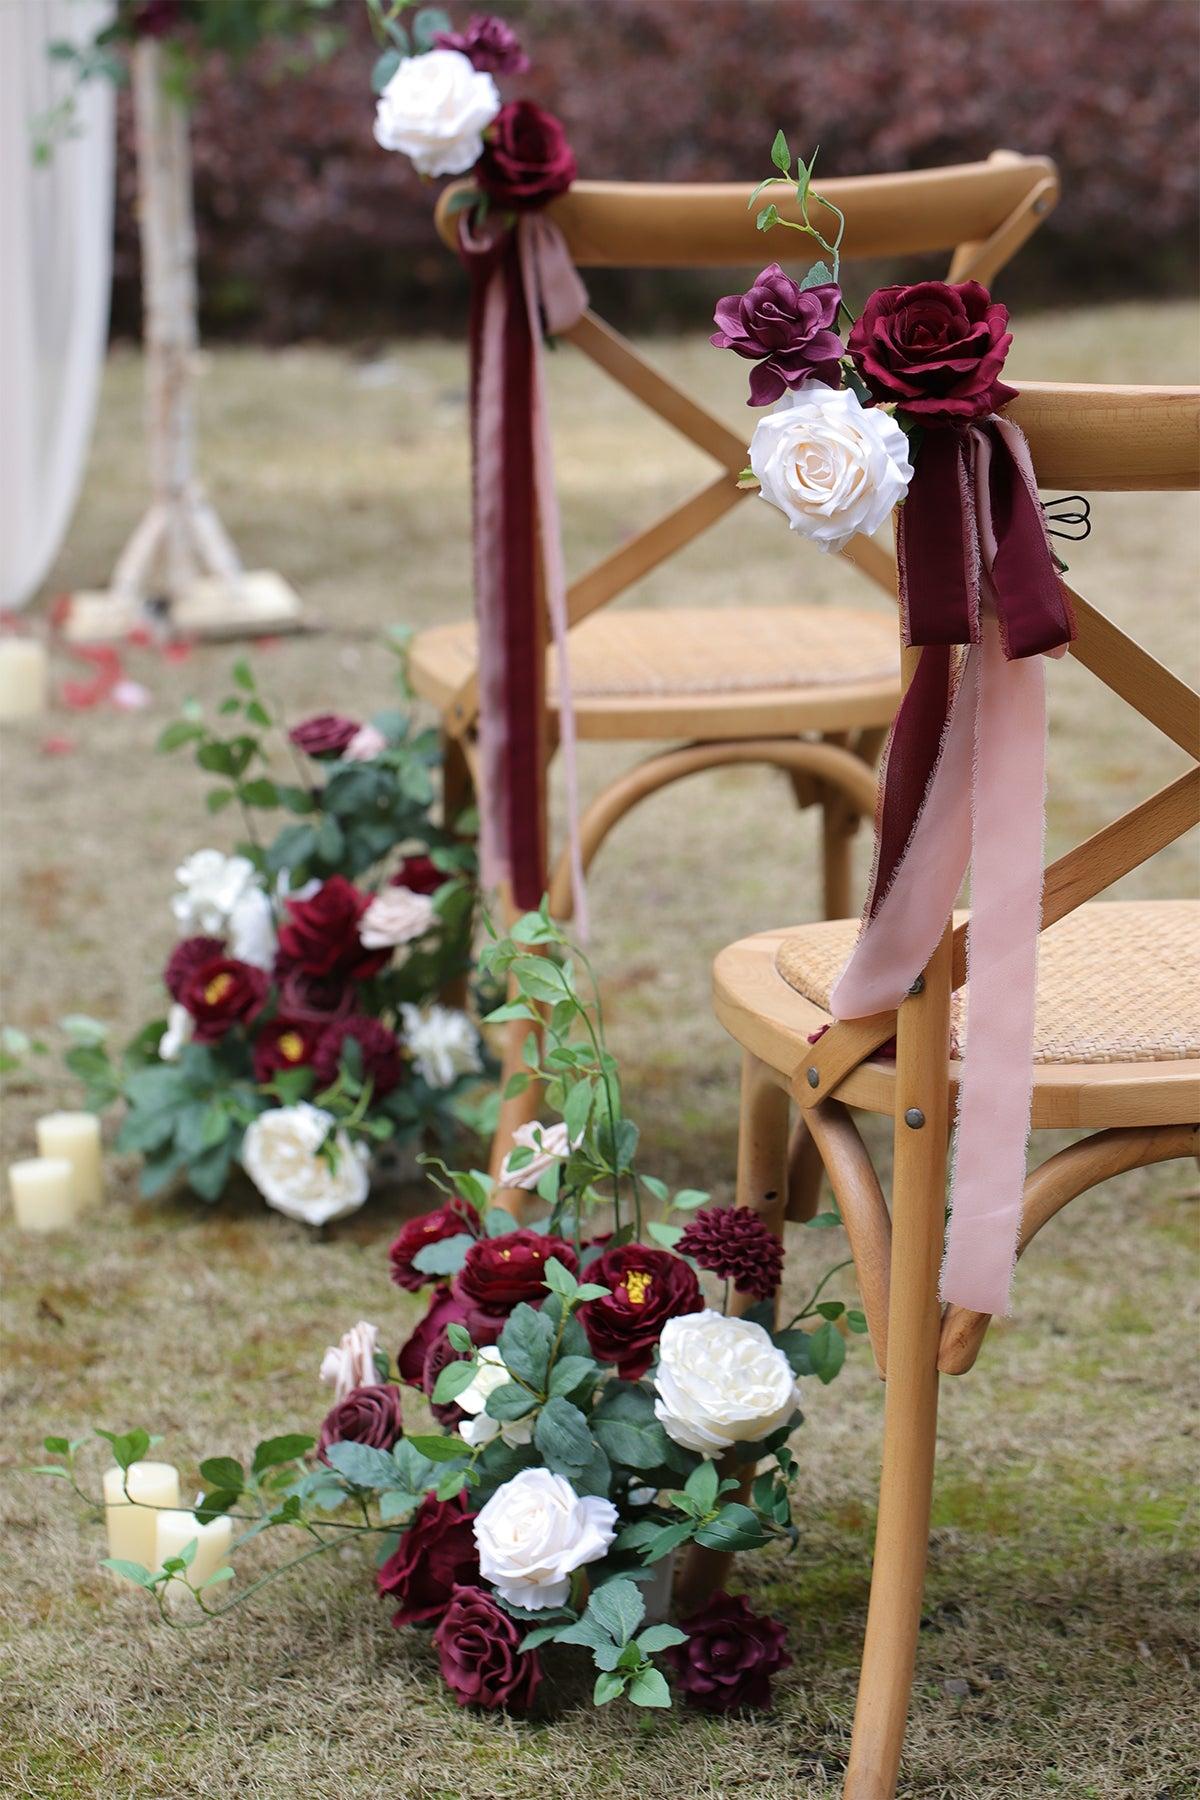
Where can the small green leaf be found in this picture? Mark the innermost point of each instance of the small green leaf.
(130, 1570)
(767, 217)
(453, 1380)
(818, 276)
(687, 1199)
(608, 1687)
(666, 1235)
(224, 1573)
(437, 1449)
(243, 675)
(649, 1688)
(619, 1608)
(781, 156)
(459, 1336)
(660, 1637)
(277, 1450)
(827, 1350)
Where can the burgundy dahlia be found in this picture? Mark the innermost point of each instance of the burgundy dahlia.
(526, 161)
(321, 936)
(419, 875)
(382, 1058)
(790, 332)
(733, 1242)
(500, 1272)
(221, 993)
(479, 1648)
(368, 1415)
(730, 1655)
(488, 44)
(935, 348)
(435, 1555)
(647, 1287)
(452, 1220)
(186, 958)
(325, 734)
(281, 1045)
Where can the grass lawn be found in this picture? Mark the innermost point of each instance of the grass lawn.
(1059, 1642)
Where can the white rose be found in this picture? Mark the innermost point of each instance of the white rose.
(180, 1026)
(396, 916)
(211, 886)
(443, 1042)
(549, 1144)
(721, 1382)
(351, 1363)
(534, 1532)
(279, 1153)
(831, 465)
(490, 1374)
(367, 743)
(252, 929)
(434, 109)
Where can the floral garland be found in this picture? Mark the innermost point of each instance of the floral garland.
(599, 1409)
(304, 1032)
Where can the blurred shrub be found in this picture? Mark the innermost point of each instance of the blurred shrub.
(307, 228)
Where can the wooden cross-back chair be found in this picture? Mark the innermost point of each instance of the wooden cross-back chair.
(1116, 1049)
(809, 690)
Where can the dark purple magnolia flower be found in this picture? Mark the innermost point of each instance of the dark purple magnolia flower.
(787, 330)
(488, 44)
(730, 1656)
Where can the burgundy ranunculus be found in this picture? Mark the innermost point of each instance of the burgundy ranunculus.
(445, 1308)
(500, 1272)
(382, 1059)
(222, 993)
(368, 1415)
(526, 159)
(186, 958)
(281, 1045)
(479, 1648)
(452, 1220)
(730, 1655)
(790, 332)
(648, 1287)
(321, 936)
(936, 349)
(489, 44)
(435, 1555)
(418, 875)
(325, 734)
(733, 1242)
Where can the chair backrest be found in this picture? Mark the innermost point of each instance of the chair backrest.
(979, 212)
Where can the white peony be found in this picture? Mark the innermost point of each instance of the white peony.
(252, 929)
(490, 1374)
(443, 1042)
(279, 1153)
(396, 916)
(833, 466)
(549, 1143)
(367, 743)
(211, 886)
(720, 1382)
(180, 1026)
(534, 1532)
(351, 1363)
(434, 109)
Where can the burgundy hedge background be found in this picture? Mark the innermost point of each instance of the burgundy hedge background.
(306, 228)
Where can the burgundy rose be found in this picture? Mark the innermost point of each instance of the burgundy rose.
(445, 1308)
(452, 1220)
(435, 1555)
(730, 1656)
(325, 734)
(368, 1415)
(733, 1243)
(155, 18)
(222, 993)
(382, 1058)
(500, 1272)
(526, 159)
(186, 958)
(648, 1287)
(283, 1044)
(489, 44)
(789, 331)
(418, 875)
(311, 1001)
(321, 937)
(479, 1648)
(936, 348)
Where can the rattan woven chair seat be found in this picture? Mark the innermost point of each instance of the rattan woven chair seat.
(1118, 981)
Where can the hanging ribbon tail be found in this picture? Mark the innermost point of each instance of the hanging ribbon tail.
(518, 278)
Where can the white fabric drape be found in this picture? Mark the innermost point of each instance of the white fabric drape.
(55, 277)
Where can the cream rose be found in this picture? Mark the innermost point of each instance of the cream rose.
(279, 1153)
(211, 887)
(351, 1363)
(534, 1532)
(549, 1144)
(443, 1042)
(832, 466)
(720, 1382)
(434, 109)
(490, 1374)
(396, 916)
(367, 743)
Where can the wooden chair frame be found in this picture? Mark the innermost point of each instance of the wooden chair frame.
(1084, 438)
(982, 212)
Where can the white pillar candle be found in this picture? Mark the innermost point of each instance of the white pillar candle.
(75, 1136)
(43, 1193)
(177, 1529)
(131, 1527)
(22, 678)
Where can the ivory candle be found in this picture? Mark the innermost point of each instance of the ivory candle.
(22, 678)
(75, 1136)
(177, 1529)
(43, 1193)
(131, 1527)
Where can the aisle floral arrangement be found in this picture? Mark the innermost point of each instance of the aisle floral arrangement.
(601, 1405)
(304, 1030)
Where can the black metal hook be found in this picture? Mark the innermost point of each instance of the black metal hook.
(1079, 516)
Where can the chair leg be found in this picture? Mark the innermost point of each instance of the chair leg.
(805, 1174)
(762, 1173)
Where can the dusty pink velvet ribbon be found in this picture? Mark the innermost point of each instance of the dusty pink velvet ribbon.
(963, 785)
(523, 283)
